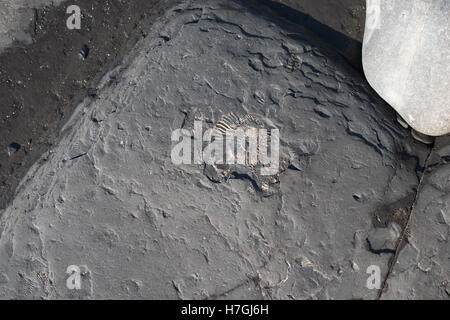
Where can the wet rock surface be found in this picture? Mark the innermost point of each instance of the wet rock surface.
(109, 199)
(15, 18)
(42, 77)
(338, 22)
(345, 16)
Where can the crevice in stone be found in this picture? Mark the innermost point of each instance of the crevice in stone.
(401, 241)
(254, 279)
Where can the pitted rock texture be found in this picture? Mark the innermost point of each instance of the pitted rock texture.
(41, 83)
(16, 18)
(108, 198)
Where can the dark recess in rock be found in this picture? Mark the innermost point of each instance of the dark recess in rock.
(84, 52)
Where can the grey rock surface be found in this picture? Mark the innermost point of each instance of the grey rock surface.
(346, 16)
(16, 17)
(339, 23)
(108, 198)
(384, 239)
(422, 270)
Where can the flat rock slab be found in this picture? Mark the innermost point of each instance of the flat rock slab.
(109, 199)
(422, 270)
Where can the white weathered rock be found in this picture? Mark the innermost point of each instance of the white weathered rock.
(406, 59)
